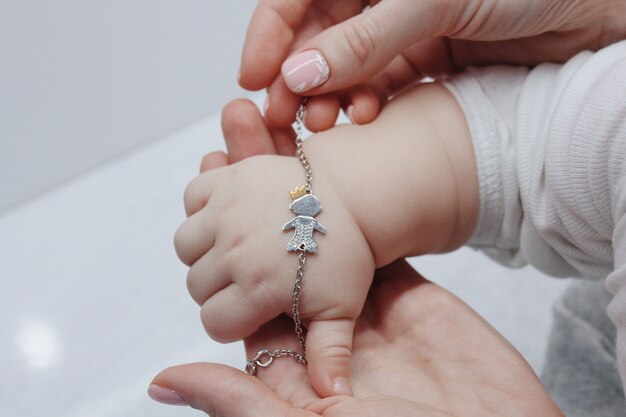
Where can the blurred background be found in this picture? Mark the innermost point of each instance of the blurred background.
(105, 111)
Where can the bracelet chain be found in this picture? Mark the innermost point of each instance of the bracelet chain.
(265, 357)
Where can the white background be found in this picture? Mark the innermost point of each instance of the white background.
(82, 81)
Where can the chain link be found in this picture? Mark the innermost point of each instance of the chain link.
(265, 357)
(269, 356)
(295, 304)
(299, 151)
(295, 307)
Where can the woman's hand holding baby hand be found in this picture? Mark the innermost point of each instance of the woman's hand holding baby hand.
(243, 276)
(371, 56)
(382, 200)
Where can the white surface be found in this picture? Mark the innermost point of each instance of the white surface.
(83, 81)
(93, 301)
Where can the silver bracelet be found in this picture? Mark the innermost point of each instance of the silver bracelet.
(306, 206)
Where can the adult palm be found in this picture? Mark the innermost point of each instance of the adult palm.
(418, 351)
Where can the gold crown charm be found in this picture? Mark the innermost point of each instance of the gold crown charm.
(298, 192)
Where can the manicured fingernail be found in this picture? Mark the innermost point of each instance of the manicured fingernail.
(341, 386)
(165, 395)
(266, 105)
(349, 111)
(305, 71)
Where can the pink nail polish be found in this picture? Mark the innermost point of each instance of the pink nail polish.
(165, 395)
(305, 71)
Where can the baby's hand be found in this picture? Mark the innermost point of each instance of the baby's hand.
(236, 241)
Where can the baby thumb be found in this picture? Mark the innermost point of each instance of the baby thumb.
(351, 52)
(219, 390)
(329, 350)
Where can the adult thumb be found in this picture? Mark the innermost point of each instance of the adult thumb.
(350, 52)
(220, 390)
(329, 353)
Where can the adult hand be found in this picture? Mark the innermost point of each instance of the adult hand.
(418, 351)
(372, 55)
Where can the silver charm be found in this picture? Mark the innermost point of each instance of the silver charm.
(305, 207)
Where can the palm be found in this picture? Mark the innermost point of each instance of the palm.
(418, 350)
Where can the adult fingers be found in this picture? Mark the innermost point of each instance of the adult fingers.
(284, 140)
(420, 60)
(244, 131)
(277, 26)
(427, 58)
(269, 37)
(352, 51)
(247, 134)
(362, 105)
(329, 352)
(220, 390)
(431, 57)
(321, 112)
(282, 104)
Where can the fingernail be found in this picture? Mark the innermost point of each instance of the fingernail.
(266, 105)
(305, 71)
(349, 111)
(341, 386)
(165, 395)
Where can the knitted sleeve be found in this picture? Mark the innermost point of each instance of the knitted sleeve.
(550, 147)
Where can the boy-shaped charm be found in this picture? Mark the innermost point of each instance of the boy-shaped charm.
(305, 207)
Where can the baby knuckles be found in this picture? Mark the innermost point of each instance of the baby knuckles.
(248, 270)
(196, 193)
(181, 245)
(216, 327)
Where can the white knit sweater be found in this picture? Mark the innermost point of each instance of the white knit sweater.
(550, 147)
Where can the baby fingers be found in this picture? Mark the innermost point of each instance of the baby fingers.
(199, 190)
(208, 276)
(233, 313)
(195, 237)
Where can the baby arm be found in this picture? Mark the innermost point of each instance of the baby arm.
(409, 178)
(402, 185)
